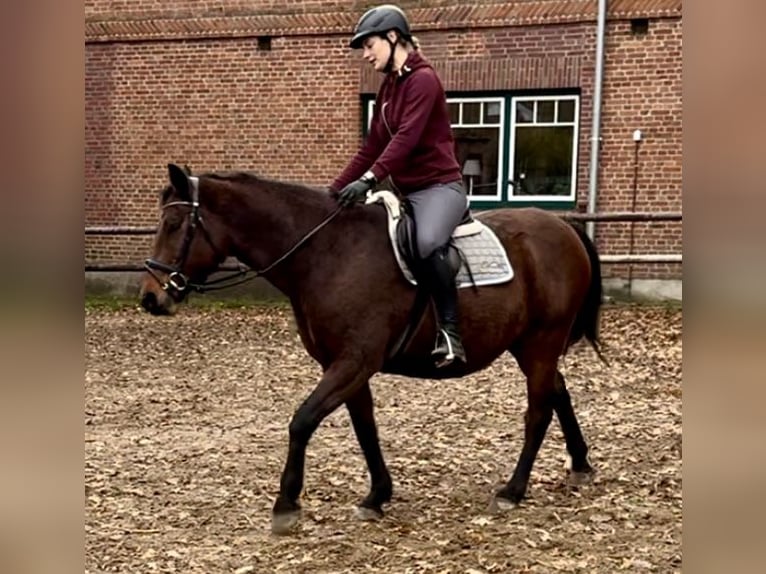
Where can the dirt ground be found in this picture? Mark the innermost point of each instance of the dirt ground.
(186, 435)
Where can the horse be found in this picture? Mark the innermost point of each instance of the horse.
(351, 304)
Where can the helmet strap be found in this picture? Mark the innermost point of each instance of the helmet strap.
(390, 65)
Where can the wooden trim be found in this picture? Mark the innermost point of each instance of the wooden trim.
(137, 27)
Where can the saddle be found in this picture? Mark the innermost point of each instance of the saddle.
(475, 254)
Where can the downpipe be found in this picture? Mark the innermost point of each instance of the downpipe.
(595, 139)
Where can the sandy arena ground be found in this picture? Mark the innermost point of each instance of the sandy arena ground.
(186, 435)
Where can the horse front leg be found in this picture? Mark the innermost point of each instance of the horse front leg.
(360, 407)
(340, 382)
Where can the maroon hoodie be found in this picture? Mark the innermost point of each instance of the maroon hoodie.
(410, 137)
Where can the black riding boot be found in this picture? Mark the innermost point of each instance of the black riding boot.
(441, 284)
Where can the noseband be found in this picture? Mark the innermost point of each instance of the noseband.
(178, 283)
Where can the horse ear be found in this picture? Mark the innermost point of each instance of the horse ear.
(179, 179)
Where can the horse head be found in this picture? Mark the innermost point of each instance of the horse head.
(188, 246)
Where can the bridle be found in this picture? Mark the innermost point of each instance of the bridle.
(177, 283)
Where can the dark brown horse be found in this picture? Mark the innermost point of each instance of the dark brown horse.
(351, 302)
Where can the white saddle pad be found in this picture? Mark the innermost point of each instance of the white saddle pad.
(486, 256)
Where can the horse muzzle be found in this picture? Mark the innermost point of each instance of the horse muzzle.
(158, 303)
(158, 296)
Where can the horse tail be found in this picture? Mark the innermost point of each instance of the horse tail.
(586, 322)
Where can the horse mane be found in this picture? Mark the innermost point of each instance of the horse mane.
(249, 179)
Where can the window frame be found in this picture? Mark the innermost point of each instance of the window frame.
(543, 199)
(501, 153)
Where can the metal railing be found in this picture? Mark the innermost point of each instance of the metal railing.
(615, 216)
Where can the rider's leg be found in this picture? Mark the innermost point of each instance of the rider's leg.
(437, 211)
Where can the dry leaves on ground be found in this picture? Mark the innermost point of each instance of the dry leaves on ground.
(187, 432)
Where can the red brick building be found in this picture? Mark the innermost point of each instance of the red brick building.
(271, 87)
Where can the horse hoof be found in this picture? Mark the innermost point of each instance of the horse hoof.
(499, 504)
(579, 478)
(366, 514)
(284, 523)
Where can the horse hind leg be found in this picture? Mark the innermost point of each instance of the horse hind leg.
(541, 376)
(581, 471)
(546, 393)
(360, 408)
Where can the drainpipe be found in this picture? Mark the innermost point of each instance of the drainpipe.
(596, 128)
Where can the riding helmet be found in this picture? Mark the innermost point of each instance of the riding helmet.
(380, 20)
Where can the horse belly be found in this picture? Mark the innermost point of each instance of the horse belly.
(490, 320)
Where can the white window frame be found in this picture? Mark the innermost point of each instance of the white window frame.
(370, 109)
(575, 123)
(500, 125)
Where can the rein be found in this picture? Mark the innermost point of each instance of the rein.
(179, 283)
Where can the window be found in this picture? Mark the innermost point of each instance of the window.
(515, 150)
(543, 147)
(477, 126)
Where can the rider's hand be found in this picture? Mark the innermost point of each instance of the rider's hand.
(356, 190)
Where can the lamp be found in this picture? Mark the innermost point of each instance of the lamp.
(471, 169)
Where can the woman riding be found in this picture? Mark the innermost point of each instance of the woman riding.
(410, 141)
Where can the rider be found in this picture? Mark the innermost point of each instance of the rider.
(411, 142)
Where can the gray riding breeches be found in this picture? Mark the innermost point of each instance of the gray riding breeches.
(437, 211)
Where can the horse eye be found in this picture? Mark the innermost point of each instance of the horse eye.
(172, 223)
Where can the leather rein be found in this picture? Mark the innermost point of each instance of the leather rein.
(177, 283)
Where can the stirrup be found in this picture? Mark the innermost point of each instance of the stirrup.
(448, 351)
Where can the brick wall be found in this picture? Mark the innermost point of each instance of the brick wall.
(213, 105)
(293, 112)
(642, 90)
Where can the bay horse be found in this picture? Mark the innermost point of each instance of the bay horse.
(351, 302)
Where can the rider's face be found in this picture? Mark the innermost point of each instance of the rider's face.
(376, 51)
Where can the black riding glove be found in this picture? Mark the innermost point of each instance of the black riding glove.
(356, 190)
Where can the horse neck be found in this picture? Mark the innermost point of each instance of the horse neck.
(265, 220)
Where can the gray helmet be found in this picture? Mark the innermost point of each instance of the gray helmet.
(378, 21)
